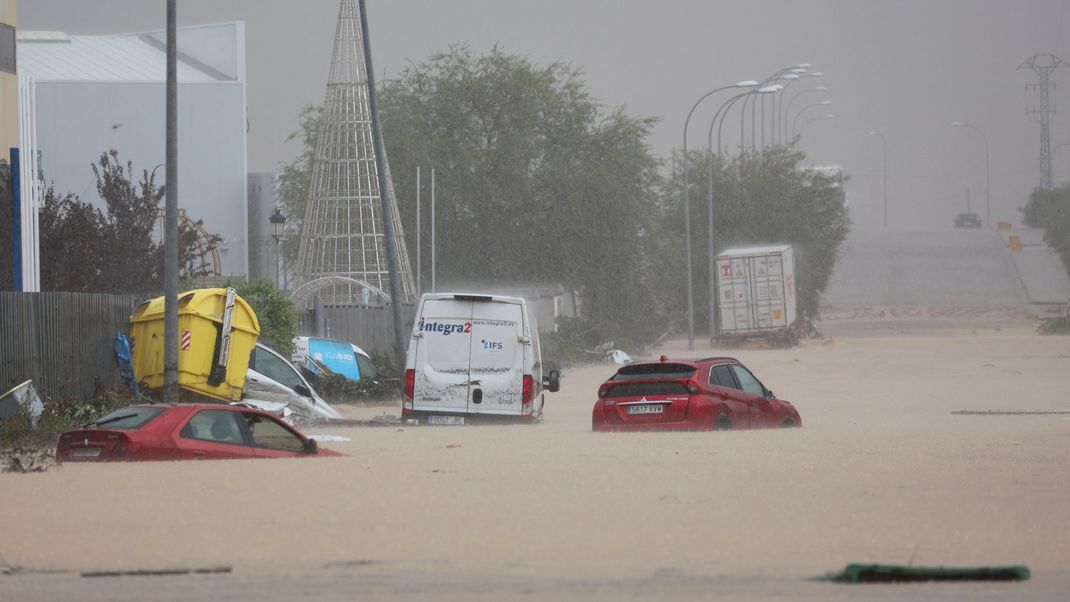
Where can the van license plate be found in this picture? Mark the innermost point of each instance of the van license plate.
(646, 409)
(445, 420)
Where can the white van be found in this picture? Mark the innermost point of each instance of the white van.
(474, 356)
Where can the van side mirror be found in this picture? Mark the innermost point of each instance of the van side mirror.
(303, 391)
(553, 381)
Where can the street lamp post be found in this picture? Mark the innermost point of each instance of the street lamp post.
(710, 254)
(811, 120)
(787, 109)
(795, 120)
(687, 212)
(278, 225)
(884, 148)
(988, 179)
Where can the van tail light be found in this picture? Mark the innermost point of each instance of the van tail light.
(410, 391)
(528, 394)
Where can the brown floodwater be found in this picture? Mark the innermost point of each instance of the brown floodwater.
(881, 471)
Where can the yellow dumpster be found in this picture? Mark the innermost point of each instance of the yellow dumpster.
(1003, 226)
(217, 331)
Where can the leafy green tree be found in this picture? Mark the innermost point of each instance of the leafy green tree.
(764, 197)
(1050, 210)
(274, 310)
(84, 249)
(535, 182)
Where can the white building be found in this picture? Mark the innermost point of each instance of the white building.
(97, 93)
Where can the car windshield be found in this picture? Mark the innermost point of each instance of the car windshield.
(127, 418)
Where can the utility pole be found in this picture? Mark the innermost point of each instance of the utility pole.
(400, 338)
(1043, 65)
(170, 237)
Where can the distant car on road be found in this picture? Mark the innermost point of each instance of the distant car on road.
(716, 393)
(968, 220)
(185, 432)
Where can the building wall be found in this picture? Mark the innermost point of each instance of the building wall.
(9, 85)
(77, 121)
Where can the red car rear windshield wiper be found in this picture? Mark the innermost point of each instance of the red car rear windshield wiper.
(110, 420)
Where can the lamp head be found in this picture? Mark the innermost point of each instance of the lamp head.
(749, 83)
(278, 222)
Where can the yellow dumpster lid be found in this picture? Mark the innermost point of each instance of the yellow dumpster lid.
(205, 303)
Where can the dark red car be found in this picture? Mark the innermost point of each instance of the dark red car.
(185, 432)
(716, 393)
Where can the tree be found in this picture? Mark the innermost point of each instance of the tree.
(84, 249)
(763, 197)
(274, 310)
(1050, 210)
(535, 182)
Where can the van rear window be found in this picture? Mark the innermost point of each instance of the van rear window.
(646, 389)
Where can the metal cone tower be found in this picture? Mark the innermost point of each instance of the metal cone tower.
(342, 254)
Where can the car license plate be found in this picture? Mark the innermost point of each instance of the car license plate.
(445, 420)
(86, 452)
(646, 409)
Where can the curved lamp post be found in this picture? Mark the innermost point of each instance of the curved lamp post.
(796, 70)
(765, 89)
(278, 224)
(787, 109)
(813, 119)
(988, 179)
(774, 121)
(795, 120)
(884, 172)
(687, 212)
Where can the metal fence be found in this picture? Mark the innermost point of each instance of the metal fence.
(61, 341)
(369, 327)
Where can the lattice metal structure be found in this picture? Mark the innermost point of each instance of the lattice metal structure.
(1043, 65)
(342, 252)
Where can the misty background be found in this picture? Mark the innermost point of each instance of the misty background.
(906, 68)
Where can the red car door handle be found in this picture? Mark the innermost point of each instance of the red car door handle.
(198, 454)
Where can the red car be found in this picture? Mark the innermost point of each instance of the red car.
(716, 393)
(185, 432)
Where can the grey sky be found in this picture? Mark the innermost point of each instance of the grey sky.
(907, 68)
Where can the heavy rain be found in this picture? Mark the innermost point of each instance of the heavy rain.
(544, 300)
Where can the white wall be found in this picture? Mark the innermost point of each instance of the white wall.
(77, 121)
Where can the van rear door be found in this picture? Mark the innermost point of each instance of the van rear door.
(497, 358)
(443, 353)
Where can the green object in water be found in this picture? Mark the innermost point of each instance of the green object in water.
(893, 573)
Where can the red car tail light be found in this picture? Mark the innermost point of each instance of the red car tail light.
(528, 394)
(692, 387)
(603, 389)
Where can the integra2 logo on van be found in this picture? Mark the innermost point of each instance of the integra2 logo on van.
(443, 328)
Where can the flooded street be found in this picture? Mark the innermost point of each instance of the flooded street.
(881, 471)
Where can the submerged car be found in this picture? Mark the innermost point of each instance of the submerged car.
(185, 432)
(967, 220)
(716, 393)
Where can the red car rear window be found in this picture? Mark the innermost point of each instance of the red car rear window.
(654, 371)
(126, 418)
(647, 389)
